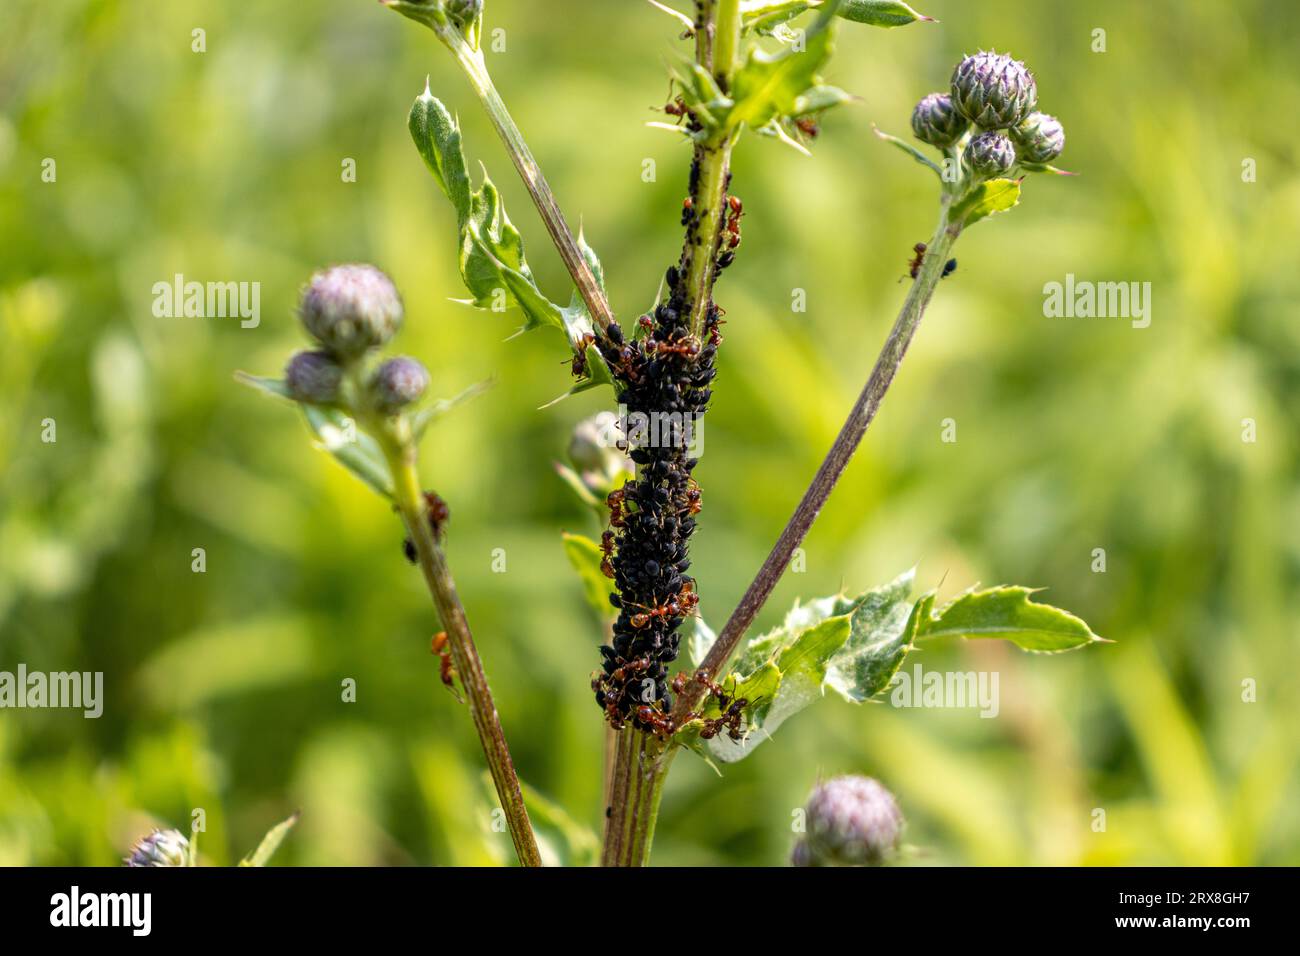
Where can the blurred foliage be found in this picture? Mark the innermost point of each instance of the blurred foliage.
(223, 689)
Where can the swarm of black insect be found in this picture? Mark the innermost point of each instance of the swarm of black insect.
(665, 375)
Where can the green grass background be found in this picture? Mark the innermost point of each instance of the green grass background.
(223, 688)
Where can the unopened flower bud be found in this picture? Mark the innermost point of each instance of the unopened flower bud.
(852, 821)
(351, 308)
(937, 122)
(1040, 138)
(397, 383)
(993, 91)
(314, 377)
(160, 848)
(991, 154)
(593, 451)
(462, 12)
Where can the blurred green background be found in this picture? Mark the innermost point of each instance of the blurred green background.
(223, 688)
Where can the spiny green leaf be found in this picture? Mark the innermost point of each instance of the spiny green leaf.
(355, 450)
(911, 150)
(270, 843)
(992, 196)
(491, 250)
(585, 556)
(437, 137)
(879, 639)
(764, 16)
(880, 13)
(801, 667)
(770, 84)
(1007, 613)
(268, 386)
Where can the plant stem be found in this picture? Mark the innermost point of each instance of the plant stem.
(837, 459)
(641, 760)
(715, 49)
(400, 451)
(471, 61)
(640, 769)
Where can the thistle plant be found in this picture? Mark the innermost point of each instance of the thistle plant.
(754, 67)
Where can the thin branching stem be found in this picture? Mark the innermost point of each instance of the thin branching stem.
(471, 61)
(837, 459)
(410, 502)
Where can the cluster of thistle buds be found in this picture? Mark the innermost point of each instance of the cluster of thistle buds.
(849, 821)
(991, 112)
(351, 311)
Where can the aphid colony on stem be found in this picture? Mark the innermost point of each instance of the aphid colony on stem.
(667, 372)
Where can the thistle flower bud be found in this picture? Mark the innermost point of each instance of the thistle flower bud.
(462, 12)
(991, 154)
(160, 848)
(993, 91)
(852, 821)
(1040, 138)
(937, 122)
(397, 383)
(351, 308)
(314, 377)
(600, 465)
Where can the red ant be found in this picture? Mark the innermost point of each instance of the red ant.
(678, 108)
(646, 322)
(446, 671)
(731, 719)
(688, 347)
(607, 552)
(808, 126)
(615, 502)
(693, 498)
(438, 514)
(681, 605)
(736, 209)
(914, 266)
(579, 366)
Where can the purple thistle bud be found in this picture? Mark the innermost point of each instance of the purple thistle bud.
(160, 848)
(991, 154)
(1040, 138)
(397, 383)
(351, 308)
(314, 377)
(852, 821)
(993, 91)
(937, 122)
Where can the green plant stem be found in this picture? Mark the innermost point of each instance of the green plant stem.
(471, 61)
(400, 451)
(642, 761)
(715, 49)
(640, 770)
(837, 459)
